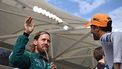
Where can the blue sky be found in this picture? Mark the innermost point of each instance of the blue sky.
(87, 8)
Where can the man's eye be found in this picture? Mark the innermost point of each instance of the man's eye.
(46, 40)
(49, 41)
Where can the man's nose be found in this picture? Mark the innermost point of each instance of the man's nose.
(46, 41)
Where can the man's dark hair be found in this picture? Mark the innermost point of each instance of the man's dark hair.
(98, 53)
(108, 28)
(40, 33)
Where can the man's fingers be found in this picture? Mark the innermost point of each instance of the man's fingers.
(29, 20)
(53, 66)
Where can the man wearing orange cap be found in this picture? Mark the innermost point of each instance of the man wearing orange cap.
(111, 41)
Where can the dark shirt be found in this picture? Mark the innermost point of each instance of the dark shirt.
(101, 66)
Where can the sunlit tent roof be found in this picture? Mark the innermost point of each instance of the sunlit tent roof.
(70, 49)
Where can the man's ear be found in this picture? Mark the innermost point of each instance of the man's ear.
(35, 42)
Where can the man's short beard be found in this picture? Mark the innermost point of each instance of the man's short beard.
(96, 37)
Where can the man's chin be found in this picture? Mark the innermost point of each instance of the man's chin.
(96, 39)
(45, 49)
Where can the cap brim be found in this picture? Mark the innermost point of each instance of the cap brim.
(87, 24)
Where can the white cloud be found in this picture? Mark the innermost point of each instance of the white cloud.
(86, 7)
(116, 16)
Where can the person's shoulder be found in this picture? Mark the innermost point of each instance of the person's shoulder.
(106, 37)
(117, 34)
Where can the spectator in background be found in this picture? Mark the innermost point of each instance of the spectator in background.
(4, 54)
(100, 57)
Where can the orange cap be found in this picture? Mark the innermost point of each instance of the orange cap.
(100, 19)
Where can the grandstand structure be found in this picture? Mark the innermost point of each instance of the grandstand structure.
(70, 48)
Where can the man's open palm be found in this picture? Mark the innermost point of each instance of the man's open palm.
(29, 26)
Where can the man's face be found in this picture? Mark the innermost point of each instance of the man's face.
(94, 31)
(43, 42)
